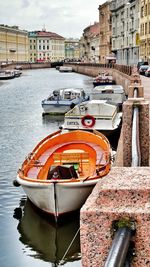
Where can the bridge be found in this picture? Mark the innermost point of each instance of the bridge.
(115, 220)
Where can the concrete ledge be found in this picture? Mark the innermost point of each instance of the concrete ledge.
(123, 194)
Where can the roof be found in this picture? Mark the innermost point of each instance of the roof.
(51, 35)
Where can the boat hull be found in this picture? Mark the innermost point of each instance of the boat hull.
(100, 125)
(55, 109)
(58, 198)
(103, 83)
(59, 107)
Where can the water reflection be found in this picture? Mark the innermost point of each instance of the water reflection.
(48, 240)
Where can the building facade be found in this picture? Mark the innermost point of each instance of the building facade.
(89, 43)
(46, 46)
(72, 49)
(13, 44)
(125, 31)
(144, 30)
(105, 21)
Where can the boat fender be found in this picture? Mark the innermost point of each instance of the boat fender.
(88, 121)
(72, 105)
(15, 183)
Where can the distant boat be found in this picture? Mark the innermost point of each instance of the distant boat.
(65, 69)
(61, 171)
(62, 100)
(103, 78)
(94, 115)
(112, 93)
(7, 74)
(17, 72)
(18, 67)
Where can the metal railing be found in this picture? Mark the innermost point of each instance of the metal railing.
(136, 156)
(119, 250)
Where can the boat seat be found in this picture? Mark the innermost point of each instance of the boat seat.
(61, 172)
(70, 157)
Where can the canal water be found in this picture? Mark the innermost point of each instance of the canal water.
(26, 237)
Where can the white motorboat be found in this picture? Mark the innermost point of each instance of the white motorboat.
(94, 115)
(112, 93)
(65, 69)
(103, 78)
(7, 74)
(62, 100)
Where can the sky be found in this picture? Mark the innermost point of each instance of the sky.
(67, 18)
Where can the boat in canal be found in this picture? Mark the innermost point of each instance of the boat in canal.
(112, 93)
(7, 74)
(94, 115)
(17, 72)
(65, 69)
(62, 100)
(61, 171)
(104, 78)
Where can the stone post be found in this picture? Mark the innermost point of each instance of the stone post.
(128, 106)
(123, 195)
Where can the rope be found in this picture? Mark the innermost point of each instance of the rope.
(70, 245)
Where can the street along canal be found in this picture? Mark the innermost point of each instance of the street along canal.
(28, 238)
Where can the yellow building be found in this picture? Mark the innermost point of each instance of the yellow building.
(145, 30)
(13, 44)
(46, 46)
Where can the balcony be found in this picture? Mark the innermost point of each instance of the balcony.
(132, 16)
(132, 30)
(130, 1)
(12, 50)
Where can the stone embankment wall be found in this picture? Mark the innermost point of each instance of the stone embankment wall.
(121, 74)
(28, 65)
(123, 195)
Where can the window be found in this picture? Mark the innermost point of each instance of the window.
(142, 11)
(145, 10)
(146, 28)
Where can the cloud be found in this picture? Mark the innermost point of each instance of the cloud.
(65, 17)
(25, 3)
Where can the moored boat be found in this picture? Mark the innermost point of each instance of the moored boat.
(65, 69)
(17, 72)
(7, 74)
(94, 115)
(112, 93)
(103, 78)
(61, 171)
(62, 100)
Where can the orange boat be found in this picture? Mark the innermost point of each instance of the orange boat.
(61, 171)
